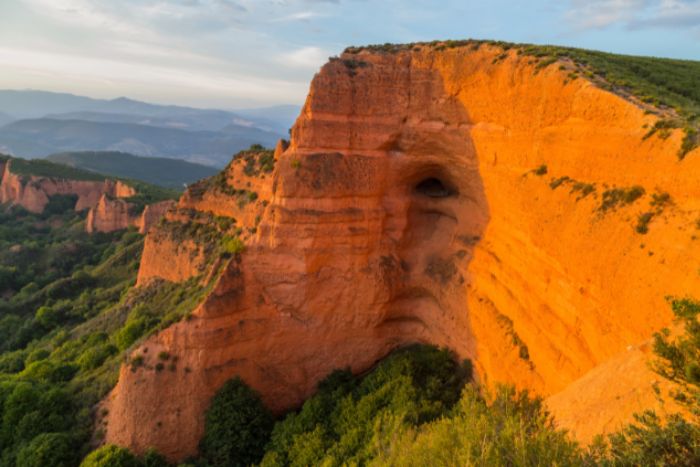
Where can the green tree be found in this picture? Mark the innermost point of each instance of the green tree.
(48, 450)
(237, 426)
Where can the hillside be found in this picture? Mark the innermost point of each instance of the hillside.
(423, 197)
(464, 249)
(5, 118)
(170, 173)
(41, 137)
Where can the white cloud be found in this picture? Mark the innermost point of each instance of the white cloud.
(588, 14)
(305, 57)
(635, 14)
(299, 16)
(154, 79)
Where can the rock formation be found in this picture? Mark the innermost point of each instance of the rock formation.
(409, 207)
(151, 214)
(111, 214)
(33, 192)
(105, 200)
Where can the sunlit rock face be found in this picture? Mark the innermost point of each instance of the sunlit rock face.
(33, 192)
(406, 209)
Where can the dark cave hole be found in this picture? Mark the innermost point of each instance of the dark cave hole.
(434, 188)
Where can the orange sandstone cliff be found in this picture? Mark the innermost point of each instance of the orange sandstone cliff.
(108, 209)
(111, 214)
(407, 208)
(33, 192)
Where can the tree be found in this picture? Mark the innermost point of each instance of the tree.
(48, 450)
(237, 426)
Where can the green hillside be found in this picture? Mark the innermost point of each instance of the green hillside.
(68, 315)
(42, 168)
(666, 87)
(170, 173)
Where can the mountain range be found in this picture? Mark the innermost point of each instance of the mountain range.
(38, 123)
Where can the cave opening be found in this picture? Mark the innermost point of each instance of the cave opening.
(433, 187)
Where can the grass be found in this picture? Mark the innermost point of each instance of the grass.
(669, 88)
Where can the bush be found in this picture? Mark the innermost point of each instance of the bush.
(341, 423)
(643, 222)
(111, 456)
(509, 429)
(232, 245)
(237, 426)
(614, 197)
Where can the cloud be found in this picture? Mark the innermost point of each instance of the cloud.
(592, 14)
(634, 14)
(670, 14)
(305, 57)
(299, 16)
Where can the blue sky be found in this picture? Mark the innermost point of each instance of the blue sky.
(248, 53)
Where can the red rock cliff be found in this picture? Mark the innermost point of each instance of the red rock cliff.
(406, 209)
(111, 214)
(33, 192)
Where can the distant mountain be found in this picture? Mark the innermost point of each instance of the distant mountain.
(170, 173)
(206, 120)
(5, 119)
(33, 104)
(41, 137)
(279, 118)
(39, 104)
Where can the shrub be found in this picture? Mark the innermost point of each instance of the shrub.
(232, 245)
(111, 456)
(648, 441)
(341, 423)
(556, 182)
(660, 200)
(237, 426)
(541, 170)
(614, 197)
(153, 458)
(643, 222)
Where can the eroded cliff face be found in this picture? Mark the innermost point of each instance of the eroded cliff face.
(33, 193)
(407, 209)
(112, 214)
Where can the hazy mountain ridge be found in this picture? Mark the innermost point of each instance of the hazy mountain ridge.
(39, 123)
(41, 137)
(172, 173)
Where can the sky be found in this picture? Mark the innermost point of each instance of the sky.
(254, 53)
